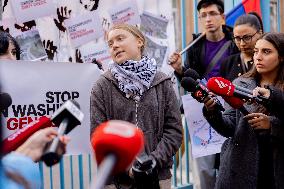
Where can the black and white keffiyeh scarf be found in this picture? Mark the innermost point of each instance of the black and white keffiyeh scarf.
(134, 77)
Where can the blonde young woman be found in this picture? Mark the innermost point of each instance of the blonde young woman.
(133, 90)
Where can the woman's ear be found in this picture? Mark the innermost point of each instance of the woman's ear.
(140, 43)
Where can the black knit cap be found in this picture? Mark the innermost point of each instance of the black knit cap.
(211, 2)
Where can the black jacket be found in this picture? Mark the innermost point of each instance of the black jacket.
(233, 67)
(240, 153)
(194, 58)
(276, 102)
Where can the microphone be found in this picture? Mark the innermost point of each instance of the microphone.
(16, 139)
(145, 173)
(5, 101)
(236, 103)
(191, 73)
(116, 144)
(199, 91)
(68, 116)
(223, 87)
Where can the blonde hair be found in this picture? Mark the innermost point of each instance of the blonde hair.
(131, 29)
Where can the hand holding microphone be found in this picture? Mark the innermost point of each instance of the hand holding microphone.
(33, 147)
(198, 89)
(223, 87)
(145, 173)
(259, 91)
(13, 141)
(68, 116)
(116, 144)
(209, 104)
(16, 139)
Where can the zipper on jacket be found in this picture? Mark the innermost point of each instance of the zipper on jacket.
(136, 113)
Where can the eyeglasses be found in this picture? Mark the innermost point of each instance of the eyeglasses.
(209, 14)
(245, 38)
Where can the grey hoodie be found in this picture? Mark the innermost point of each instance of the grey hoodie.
(157, 114)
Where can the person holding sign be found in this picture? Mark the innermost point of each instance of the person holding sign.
(133, 90)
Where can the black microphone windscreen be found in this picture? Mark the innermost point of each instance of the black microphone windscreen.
(5, 100)
(189, 84)
(191, 73)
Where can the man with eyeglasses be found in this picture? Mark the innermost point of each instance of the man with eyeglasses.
(205, 57)
(201, 55)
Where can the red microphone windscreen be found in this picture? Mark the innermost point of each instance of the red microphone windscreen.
(221, 86)
(234, 102)
(121, 138)
(16, 139)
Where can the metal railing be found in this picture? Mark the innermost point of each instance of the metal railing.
(76, 171)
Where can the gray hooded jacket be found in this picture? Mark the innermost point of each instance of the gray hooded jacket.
(157, 114)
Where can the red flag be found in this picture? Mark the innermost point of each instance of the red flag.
(252, 6)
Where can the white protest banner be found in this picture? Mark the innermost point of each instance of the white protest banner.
(204, 139)
(99, 51)
(126, 12)
(40, 88)
(27, 10)
(83, 29)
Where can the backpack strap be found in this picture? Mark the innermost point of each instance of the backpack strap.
(217, 57)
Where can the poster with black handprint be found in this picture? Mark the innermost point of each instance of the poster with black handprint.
(78, 57)
(53, 27)
(90, 5)
(50, 48)
(29, 10)
(63, 13)
(26, 26)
